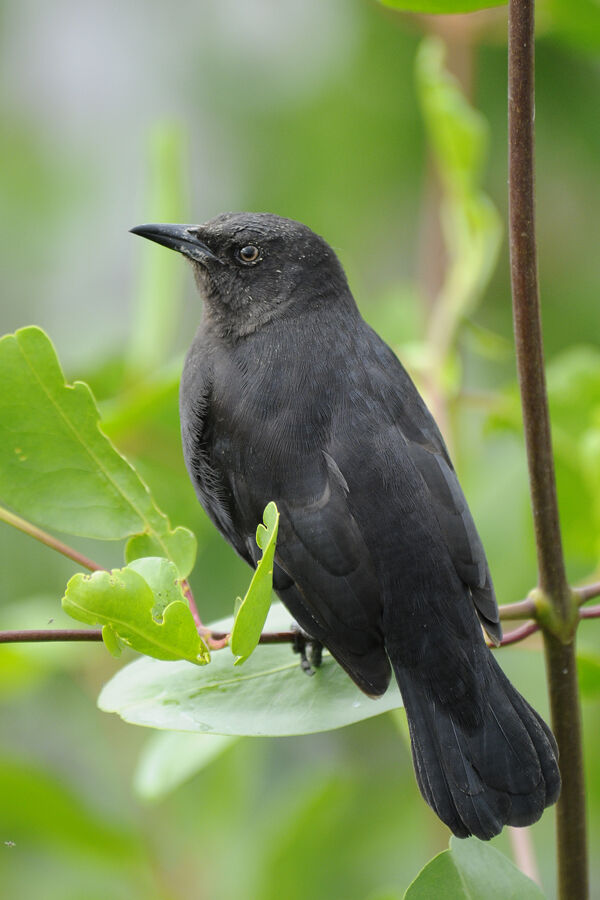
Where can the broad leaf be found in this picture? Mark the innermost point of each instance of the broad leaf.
(252, 613)
(269, 695)
(471, 870)
(171, 757)
(440, 6)
(58, 468)
(136, 606)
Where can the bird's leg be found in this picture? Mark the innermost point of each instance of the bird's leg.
(310, 650)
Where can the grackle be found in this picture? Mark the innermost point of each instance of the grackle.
(288, 395)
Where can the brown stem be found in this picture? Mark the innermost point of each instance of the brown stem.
(559, 626)
(571, 837)
(526, 307)
(43, 635)
(524, 609)
(592, 612)
(587, 592)
(218, 639)
(519, 634)
(44, 538)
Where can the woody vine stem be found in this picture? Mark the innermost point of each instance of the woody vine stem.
(556, 605)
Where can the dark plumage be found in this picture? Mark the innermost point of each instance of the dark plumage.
(288, 395)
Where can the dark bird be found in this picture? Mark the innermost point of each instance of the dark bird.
(288, 395)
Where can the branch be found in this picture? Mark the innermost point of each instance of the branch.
(557, 603)
(43, 635)
(587, 592)
(218, 639)
(524, 609)
(44, 538)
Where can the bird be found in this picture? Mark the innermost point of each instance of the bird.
(288, 395)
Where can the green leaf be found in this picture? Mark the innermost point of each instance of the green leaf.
(440, 6)
(458, 134)
(111, 640)
(136, 608)
(269, 695)
(171, 757)
(471, 870)
(58, 468)
(252, 613)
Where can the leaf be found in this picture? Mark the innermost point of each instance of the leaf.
(458, 134)
(471, 870)
(171, 757)
(269, 695)
(441, 6)
(252, 613)
(135, 605)
(58, 468)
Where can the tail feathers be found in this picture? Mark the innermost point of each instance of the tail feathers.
(502, 771)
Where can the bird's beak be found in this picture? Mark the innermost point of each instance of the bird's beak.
(183, 238)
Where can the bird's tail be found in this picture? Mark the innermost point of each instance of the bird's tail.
(500, 768)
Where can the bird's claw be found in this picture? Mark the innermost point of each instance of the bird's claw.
(309, 649)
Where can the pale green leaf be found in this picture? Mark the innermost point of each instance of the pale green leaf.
(251, 615)
(179, 545)
(111, 641)
(269, 695)
(471, 870)
(58, 469)
(161, 575)
(171, 757)
(126, 602)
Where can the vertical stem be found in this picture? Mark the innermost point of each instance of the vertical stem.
(571, 837)
(559, 643)
(526, 305)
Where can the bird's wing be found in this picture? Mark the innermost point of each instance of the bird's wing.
(324, 572)
(425, 447)
(459, 531)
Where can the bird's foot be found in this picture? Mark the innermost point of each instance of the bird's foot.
(310, 650)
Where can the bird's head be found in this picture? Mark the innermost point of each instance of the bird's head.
(250, 267)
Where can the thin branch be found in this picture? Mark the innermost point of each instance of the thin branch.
(524, 609)
(526, 308)
(560, 615)
(587, 592)
(219, 639)
(43, 635)
(592, 612)
(518, 634)
(44, 538)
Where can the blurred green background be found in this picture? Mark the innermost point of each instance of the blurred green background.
(115, 114)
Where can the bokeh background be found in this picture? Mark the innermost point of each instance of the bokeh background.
(117, 113)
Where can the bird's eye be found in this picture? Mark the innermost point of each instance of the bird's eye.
(248, 254)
